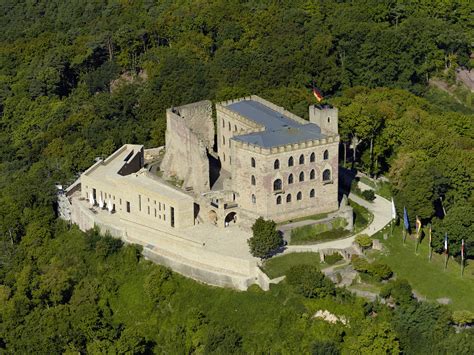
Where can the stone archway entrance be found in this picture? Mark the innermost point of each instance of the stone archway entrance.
(231, 218)
(212, 215)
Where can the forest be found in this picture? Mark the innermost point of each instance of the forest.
(79, 79)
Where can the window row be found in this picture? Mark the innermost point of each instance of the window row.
(301, 160)
(277, 184)
(229, 126)
(299, 197)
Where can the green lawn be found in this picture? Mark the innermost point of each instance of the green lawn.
(319, 232)
(362, 216)
(429, 279)
(278, 266)
(313, 217)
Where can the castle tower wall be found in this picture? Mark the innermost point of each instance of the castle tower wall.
(326, 117)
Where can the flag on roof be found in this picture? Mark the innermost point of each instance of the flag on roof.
(406, 222)
(418, 227)
(317, 94)
(394, 211)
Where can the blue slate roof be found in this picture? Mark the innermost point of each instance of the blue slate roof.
(279, 129)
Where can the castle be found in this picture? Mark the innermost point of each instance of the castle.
(220, 168)
(268, 162)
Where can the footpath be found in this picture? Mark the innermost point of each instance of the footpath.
(381, 210)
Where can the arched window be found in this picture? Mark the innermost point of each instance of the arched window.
(301, 176)
(252, 162)
(290, 161)
(223, 154)
(229, 126)
(223, 123)
(253, 180)
(277, 185)
(326, 175)
(299, 196)
(279, 200)
(276, 164)
(235, 128)
(311, 193)
(223, 140)
(326, 155)
(301, 159)
(290, 179)
(312, 175)
(312, 158)
(329, 119)
(288, 198)
(254, 199)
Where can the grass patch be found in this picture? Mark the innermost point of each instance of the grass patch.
(362, 216)
(315, 217)
(428, 278)
(319, 232)
(278, 266)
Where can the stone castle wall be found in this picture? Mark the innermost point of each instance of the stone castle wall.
(325, 192)
(189, 137)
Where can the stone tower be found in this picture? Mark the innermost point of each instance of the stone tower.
(325, 117)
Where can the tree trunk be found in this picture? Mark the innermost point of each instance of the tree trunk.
(371, 154)
(345, 152)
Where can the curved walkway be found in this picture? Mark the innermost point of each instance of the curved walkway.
(380, 208)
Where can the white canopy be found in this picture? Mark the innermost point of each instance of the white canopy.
(110, 206)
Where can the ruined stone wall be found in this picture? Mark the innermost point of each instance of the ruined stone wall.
(325, 192)
(189, 135)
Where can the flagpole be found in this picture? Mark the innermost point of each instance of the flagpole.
(429, 244)
(446, 262)
(462, 257)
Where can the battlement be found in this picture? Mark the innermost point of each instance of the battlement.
(285, 148)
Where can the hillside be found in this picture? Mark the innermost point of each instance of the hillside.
(64, 291)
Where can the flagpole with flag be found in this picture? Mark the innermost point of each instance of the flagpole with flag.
(406, 223)
(462, 257)
(394, 217)
(446, 250)
(429, 252)
(418, 233)
(317, 94)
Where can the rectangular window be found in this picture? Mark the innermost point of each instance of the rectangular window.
(155, 212)
(159, 206)
(164, 217)
(128, 207)
(148, 209)
(172, 216)
(140, 203)
(164, 207)
(120, 201)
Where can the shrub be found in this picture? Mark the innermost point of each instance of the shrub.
(379, 271)
(369, 195)
(364, 241)
(266, 239)
(222, 340)
(159, 284)
(333, 258)
(399, 290)
(463, 318)
(309, 281)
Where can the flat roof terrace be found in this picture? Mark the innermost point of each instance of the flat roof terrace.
(279, 128)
